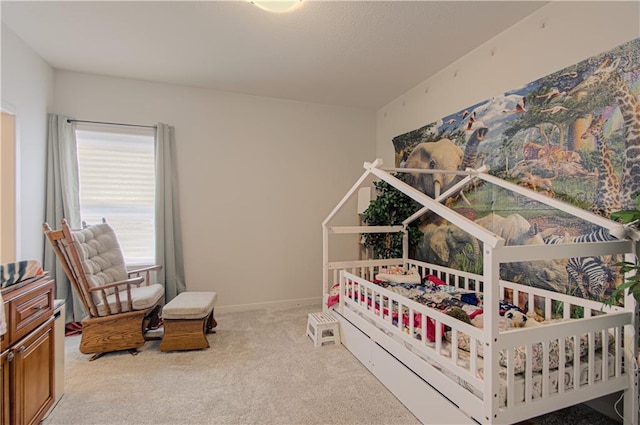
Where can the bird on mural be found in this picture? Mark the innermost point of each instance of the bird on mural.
(451, 121)
(555, 109)
(472, 119)
(553, 92)
(573, 74)
(520, 107)
(464, 113)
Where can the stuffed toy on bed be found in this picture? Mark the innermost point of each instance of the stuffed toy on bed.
(520, 320)
(459, 314)
(513, 318)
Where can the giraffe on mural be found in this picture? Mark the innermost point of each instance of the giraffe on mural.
(607, 195)
(607, 76)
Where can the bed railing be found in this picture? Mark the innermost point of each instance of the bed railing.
(366, 269)
(595, 342)
(457, 278)
(404, 317)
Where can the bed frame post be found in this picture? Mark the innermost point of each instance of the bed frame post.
(491, 315)
(325, 227)
(630, 411)
(405, 246)
(325, 267)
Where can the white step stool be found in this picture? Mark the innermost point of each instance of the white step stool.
(323, 328)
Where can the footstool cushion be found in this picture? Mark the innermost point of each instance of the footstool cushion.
(190, 305)
(187, 319)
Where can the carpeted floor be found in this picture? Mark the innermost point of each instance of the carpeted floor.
(261, 369)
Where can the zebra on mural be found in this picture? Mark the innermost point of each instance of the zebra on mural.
(589, 274)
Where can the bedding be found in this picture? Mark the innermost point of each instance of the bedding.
(434, 295)
(569, 379)
(443, 297)
(537, 356)
(464, 359)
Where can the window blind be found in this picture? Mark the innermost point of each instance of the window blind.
(117, 182)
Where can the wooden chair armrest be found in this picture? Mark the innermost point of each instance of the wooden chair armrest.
(102, 294)
(133, 281)
(146, 269)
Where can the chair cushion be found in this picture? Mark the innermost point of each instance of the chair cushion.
(190, 305)
(142, 297)
(101, 257)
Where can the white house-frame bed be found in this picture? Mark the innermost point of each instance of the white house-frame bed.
(466, 374)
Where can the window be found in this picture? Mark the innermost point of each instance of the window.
(117, 182)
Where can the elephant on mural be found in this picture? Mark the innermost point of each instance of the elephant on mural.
(440, 155)
(441, 243)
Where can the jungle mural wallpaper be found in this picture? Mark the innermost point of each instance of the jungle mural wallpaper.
(573, 135)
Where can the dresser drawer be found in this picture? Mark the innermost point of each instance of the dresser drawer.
(29, 308)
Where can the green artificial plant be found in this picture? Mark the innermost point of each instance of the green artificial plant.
(631, 217)
(391, 207)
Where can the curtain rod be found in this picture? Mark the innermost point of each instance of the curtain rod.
(112, 123)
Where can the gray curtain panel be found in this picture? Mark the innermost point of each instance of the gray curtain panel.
(62, 201)
(168, 228)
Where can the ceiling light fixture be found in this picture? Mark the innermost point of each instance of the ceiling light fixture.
(277, 6)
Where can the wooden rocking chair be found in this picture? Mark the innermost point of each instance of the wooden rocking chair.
(119, 305)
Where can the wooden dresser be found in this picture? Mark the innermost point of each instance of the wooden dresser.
(27, 352)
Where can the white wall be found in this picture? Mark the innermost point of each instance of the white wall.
(557, 35)
(256, 175)
(27, 93)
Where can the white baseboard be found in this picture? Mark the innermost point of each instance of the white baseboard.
(270, 305)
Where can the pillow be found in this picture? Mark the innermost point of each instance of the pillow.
(399, 275)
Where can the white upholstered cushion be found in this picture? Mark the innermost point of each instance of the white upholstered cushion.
(190, 305)
(142, 297)
(102, 259)
(102, 262)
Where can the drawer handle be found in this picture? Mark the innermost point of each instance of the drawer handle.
(37, 307)
(22, 349)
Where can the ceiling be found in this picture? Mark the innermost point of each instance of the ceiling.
(352, 53)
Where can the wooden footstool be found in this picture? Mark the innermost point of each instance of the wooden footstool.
(187, 320)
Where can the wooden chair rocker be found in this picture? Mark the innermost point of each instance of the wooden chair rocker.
(119, 305)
